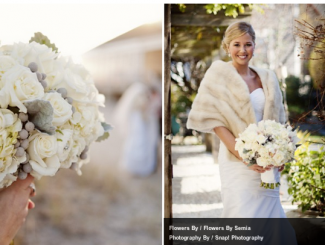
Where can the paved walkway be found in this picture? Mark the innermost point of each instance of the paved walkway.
(196, 184)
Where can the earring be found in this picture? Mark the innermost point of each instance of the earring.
(228, 55)
(253, 54)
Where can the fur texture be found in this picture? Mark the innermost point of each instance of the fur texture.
(223, 100)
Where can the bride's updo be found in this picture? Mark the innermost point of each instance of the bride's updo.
(235, 30)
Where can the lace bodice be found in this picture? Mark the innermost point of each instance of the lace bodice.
(258, 101)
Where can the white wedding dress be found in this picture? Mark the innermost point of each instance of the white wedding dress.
(241, 193)
(137, 123)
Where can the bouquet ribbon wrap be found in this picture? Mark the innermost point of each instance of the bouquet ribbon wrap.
(270, 179)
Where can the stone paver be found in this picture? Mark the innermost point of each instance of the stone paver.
(197, 187)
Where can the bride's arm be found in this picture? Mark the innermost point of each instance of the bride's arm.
(229, 140)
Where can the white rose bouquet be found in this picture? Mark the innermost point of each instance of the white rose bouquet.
(267, 143)
(48, 113)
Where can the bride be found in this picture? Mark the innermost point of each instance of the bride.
(137, 118)
(231, 96)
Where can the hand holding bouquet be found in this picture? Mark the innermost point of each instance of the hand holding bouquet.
(267, 143)
(48, 112)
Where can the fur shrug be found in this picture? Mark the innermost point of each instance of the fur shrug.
(223, 100)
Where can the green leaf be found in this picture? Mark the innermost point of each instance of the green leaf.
(42, 39)
(40, 112)
(107, 128)
(182, 7)
(59, 131)
(103, 137)
(306, 178)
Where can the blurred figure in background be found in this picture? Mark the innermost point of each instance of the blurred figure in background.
(137, 120)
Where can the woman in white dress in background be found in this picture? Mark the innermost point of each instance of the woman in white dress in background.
(231, 96)
(137, 121)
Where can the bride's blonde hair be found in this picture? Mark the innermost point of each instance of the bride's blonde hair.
(235, 30)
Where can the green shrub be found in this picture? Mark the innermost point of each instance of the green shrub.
(299, 95)
(306, 178)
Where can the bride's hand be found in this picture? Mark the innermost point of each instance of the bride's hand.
(258, 168)
(280, 168)
(14, 205)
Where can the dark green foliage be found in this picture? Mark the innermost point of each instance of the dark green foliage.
(299, 96)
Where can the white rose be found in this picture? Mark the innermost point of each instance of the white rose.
(87, 118)
(77, 88)
(42, 150)
(78, 83)
(79, 144)
(271, 148)
(6, 63)
(263, 152)
(284, 134)
(278, 158)
(26, 53)
(19, 85)
(76, 118)
(62, 110)
(239, 145)
(55, 73)
(261, 161)
(261, 139)
(7, 118)
(65, 145)
(250, 138)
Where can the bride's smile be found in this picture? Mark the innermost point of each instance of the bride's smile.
(241, 50)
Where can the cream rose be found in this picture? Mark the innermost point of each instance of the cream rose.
(79, 84)
(78, 146)
(7, 118)
(20, 85)
(62, 110)
(76, 86)
(86, 119)
(260, 139)
(6, 63)
(55, 76)
(278, 158)
(262, 161)
(42, 150)
(65, 145)
(26, 53)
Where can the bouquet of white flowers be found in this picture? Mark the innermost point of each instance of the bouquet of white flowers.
(267, 143)
(48, 112)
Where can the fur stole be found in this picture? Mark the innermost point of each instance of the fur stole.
(223, 100)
